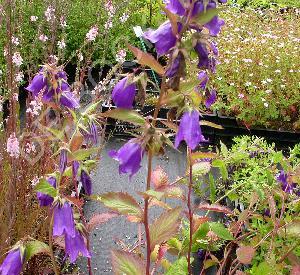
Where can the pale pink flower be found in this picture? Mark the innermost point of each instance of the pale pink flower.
(92, 34)
(241, 96)
(63, 22)
(108, 25)
(12, 146)
(61, 44)
(17, 59)
(15, 40)
(33, 18)
(19, 77)
(120, 56)
(43, 38)
(35, 108)
(124, 17)
(49, 13)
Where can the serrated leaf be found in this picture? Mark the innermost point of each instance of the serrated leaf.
(200, 234)
(179, 267)
(147, 59)
(153, 194)
(99, 219)
(125, 115)
(46, 188)
(211, 124)
(222, 166)
(83, 154)
(212, 188)
(125, 263)
(33, 248)
(91, 108)
(245, 254)
(122, 203)
(165, 227)
(221, 231)
(214, 208)
(262, 269)
(206, 16)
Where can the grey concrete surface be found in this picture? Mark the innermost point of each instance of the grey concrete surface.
(107, 179)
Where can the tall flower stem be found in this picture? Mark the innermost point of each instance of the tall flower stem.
(51, 244)
(190, 209)
(146, 220)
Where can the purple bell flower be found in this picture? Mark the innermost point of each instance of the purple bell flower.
(176, 7)
(75, 168)
(123, 94)
(68, 100)
(203, 77)
(285, 185)
(63, 220)
(174, 67)
(12, 264)
(75, 245)
(86, 182)
(211, 99)
(94, 132)
(63, 161)
(38, 83)
(205, 60)
(163, 38)
(129, 157)
(189, 130)
(44, 199)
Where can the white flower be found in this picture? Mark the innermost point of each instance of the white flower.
(269, 80)
(15, 40)
(63, 22)
(19, 77)
(92, 34)
(108, 25)
(241, 96)
(80, 57)
(49, 13)
(266, 104)
(268, 91)
(33, 18)
(247, 84)
(124, 17)
(17, 59)
(61, 44)
(278, 71)
(12, 146)
(121, 56)
(43, 38)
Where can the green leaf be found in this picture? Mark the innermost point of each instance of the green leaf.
(83, 154)
(200, 234)
(125, 263)
(122, 203)
(165, 227)
(206, 16)
(179, 267)
(33, 248)
(221, 231)
(125, 115)
(147, 59)
(91, 108)
(46, 188)
(212, 188)
(222, 166)
(262, 269)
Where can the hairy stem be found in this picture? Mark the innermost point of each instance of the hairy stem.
(146, 220)
(190, 209)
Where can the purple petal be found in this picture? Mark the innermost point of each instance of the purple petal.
(86, 182)
(63, 220)
(75, 168)
(46, 200)
(123, 94)
(12, 264)
(75, 245)
(68, 99)
(176, 7)
(203, 77)
(211, 99)
(38, 83)
(63, 161)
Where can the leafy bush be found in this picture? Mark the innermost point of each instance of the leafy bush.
(267, 3)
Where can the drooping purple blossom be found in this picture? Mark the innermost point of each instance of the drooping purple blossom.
(44, 199)
(94, 132)
(123, 94)
(211, 99)
(203, 77)
(63, 220)
(76, 245)
(286, 186)
(75, 168)
(174, 66)
(189, 130)
(12, 264)
(176, 7)
(163, 38)
(129, 156)
(206, 60)
(86, 182)
(38, 83)
(68, 100)
(63, 160)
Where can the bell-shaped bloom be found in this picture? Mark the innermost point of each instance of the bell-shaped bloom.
(203, 77)
(68, 100)
(12, 264)
(75, 168)
(76, 245)
(123, 94)
(94, 132)
(129, 157)
(46, 200)
(86, 182)
(174, 67)
(211, 99)
(38, 83)
(176, 7)
(206, 61)
(163, 38)
(189, 130)
(286, 186)
(63, 161)
(63, 220)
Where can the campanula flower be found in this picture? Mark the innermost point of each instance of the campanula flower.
(38, 83)
(203, 77)
(163, 38)
(129, 157)
(75, 245)
(12, 264)
(211, 99)
(63, 161)
(75, 168)
(123, 94)
(285, 184)
(189, 130)
(68, 100)
(86, 182)
(176, 7)
(63, 220)
(44, 199)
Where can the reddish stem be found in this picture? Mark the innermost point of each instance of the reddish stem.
(190, 209)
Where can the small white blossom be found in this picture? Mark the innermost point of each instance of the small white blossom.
(92, 34)
(15, 40)
(33, 18)
(49, 13)
(124, 17)
(17, 59)
(61, 44)
(19, 77)
(43, 38)
(121, 56)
